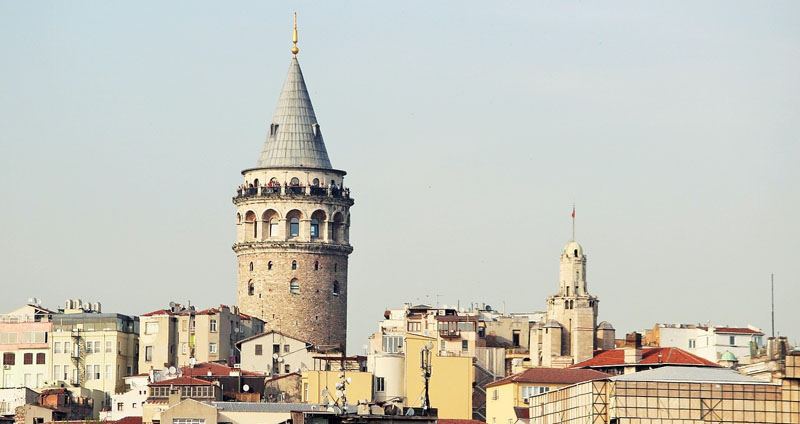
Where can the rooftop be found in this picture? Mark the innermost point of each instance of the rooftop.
(690, 374)
(551, 375)
(203, 368)
(182, 381)
(650, 356)
(271, 407)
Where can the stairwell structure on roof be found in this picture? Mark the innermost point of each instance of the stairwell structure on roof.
(292, 226)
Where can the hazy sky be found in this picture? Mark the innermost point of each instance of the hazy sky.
(467, 129)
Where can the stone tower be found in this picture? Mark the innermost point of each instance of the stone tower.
(292, 227)
(569, 332)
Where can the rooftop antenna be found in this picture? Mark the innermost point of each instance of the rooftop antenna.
(772, 279)
(295, 50)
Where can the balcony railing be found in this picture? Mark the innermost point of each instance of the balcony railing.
(292, 190)
(449, 333)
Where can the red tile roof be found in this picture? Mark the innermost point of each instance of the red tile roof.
(202, 369)
(158, 312)
(284, 376)
(551, 375)
(182, 381)
(732, 330)
(650, 356)
(129, 420)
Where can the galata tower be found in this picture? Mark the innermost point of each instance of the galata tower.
(292, 226)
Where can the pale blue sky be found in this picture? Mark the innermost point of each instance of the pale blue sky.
(467, 129)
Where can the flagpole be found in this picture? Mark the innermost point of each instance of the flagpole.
(573, 222)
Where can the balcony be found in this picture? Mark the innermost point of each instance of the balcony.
(450, 333)
(291, 190)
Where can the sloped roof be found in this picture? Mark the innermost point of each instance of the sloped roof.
(294, 138)
(158, 312)
(129, 420)
(182, 381)
(732, 330)
(266, 333)
(551, 375)
(202, 369)
(650, 356)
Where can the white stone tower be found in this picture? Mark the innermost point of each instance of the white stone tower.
(292, 226)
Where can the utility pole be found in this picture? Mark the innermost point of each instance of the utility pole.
(425, 365)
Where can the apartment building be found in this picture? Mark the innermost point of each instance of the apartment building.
(170, 337)
(24, 337)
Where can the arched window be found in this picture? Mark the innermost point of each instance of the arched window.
(315, 182)
(273, 227)
(294, 265)
(336, 288)
(294, 286)
(316, 265)
(251, 226)
(251, 267)
(314, 228)
(294, 227)
(294, 182)
(576, 253)
(269, 265)
(251, 288)
(335, 266)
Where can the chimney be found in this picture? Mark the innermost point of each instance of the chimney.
(633, 348)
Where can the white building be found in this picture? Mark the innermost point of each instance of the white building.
(708, 342)
(274, 353)
(12, 397)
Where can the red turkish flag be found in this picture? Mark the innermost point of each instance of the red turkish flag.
(573, 211)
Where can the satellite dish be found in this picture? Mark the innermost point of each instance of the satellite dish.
(165, 371)
(297, 370)
(325, 392)
(275, 356)
(192, 361)
(349, 380)
(246, 388)
(410, 412)
(172, 370)
(280, 359)
(171, 305)
(338, 393)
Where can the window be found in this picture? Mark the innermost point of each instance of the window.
(212, 326)
(316, 265)
(733, 340)
(294, 227)
(414, 326)
(40, 358)
(336, 289)
(494, 394)
(305, 392)
(251, 267)
(392, 344)
(335, 267)
(269, 265)
(56, 372)
(120, 405)
(28, 380)
(150, 328)
(108, 346)
(8, 338)
(442, 345)
(515, 338)
(692, 343)
(287, 369)
(259, 350)
(464, 346)
(66, 373)
(528, 391)
(294, 265)
(212, 348)
(97, 372)
(294, 287)
(27, 359)
(380, 384)
(108, 372)
(67, 347)
(251, 288)
(286, 348)
(148, 353)
(196, 420)
(57, 347)
(276, 348)
(273, 227)
(314, 228)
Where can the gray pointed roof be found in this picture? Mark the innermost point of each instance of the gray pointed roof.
(294, 138)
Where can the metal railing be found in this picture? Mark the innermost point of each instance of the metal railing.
(292, 190)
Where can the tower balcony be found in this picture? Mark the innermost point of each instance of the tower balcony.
(291, 192)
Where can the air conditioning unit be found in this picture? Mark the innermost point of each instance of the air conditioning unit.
(6, 367)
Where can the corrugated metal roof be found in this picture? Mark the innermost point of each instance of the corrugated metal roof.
(294, 138)
(690, 374)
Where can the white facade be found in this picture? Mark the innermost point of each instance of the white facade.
(388, 370)
(711, 342)
(12, 397)
(273, 353)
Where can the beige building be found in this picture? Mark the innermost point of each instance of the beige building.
(274, 353)
(94, 350)
(569, 332)
(169, 337)
(179, 397)
(674, 394)
(292, 227)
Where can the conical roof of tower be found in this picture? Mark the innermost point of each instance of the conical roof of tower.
(294, 138)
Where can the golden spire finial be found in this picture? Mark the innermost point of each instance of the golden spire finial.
(295, 50)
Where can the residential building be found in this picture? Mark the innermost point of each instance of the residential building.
(165, 394)
(236, 383)
(55, 405)
(210, 412)
(274, 353)
(634, 358)
(130, 402)
(286, 388)
(708, 341)
(293, 227)
(94, 350)
(170, 337)
(511, 392)
(673, 394)
(337, 379)
(13, 397)
(24, 346)
(569, 332)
